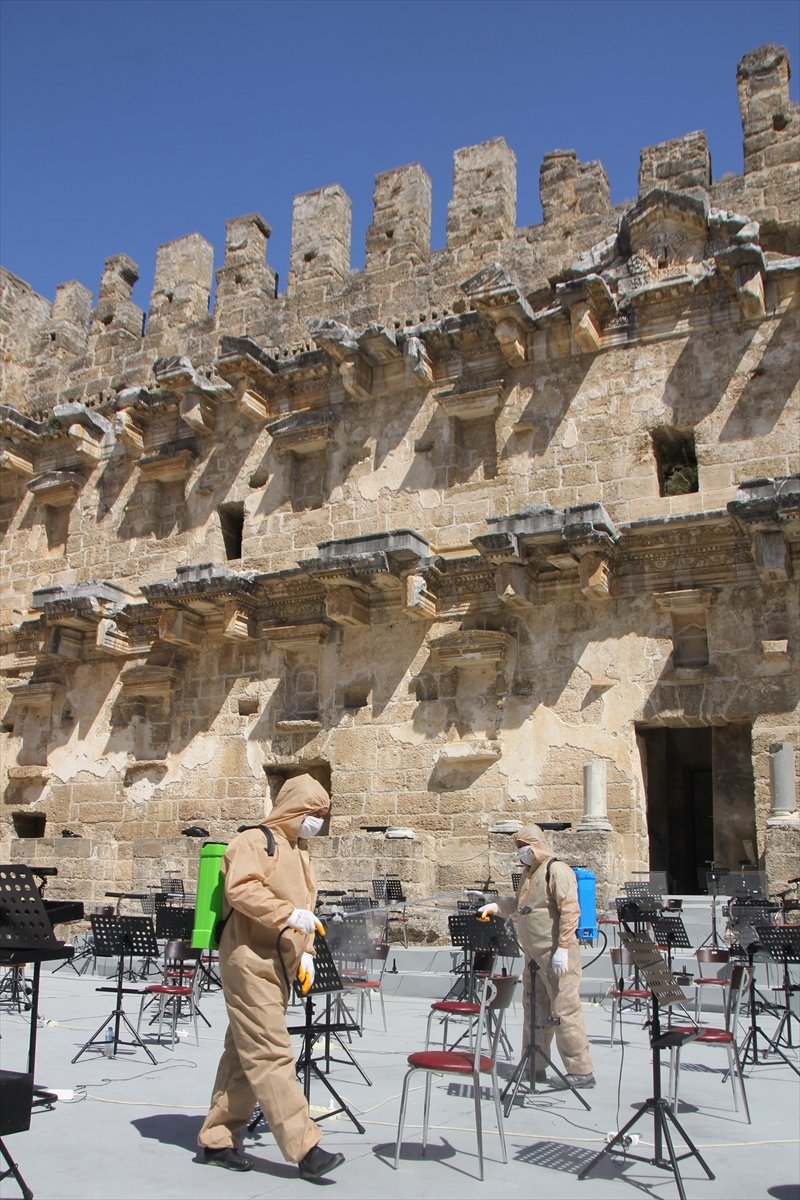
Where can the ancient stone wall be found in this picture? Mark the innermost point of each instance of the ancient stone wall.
(446, 530)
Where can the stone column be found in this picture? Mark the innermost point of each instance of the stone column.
(595, 797)
(782, 785)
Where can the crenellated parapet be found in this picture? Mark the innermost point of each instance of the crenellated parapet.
(74, 350)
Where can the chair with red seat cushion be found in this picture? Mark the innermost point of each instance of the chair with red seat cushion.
(714, 1036)
(176, 995)
(445, 1009)
(370, 982)
(496, 994)
(709, 957)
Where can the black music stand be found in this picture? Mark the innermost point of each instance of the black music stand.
(783, 944)
(26, 935)
(665, 992)
(670, 932)
(327, 981)
(174, 924)
(120, 936)
(480, 942)
(528, 1060)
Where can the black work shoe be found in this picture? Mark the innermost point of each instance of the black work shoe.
(318, 1162)
(580, 1081)
(229, 1158)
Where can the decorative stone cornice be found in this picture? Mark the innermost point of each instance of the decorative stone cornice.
(203, 600)
(302, 432)
(467, 401)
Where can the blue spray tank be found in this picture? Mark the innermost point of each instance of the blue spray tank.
(587, 899)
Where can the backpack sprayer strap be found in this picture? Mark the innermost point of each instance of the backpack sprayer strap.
(267, 832)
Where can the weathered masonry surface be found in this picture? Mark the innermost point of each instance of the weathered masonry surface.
(498, 532)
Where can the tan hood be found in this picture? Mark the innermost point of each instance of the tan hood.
(533, 836)
(298, 797)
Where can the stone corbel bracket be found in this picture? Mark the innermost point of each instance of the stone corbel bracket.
(590, 304)
(252, 374)
(90, 434)
(743, 268)
(204, 601)
(501, 304)
(768, 512)
(20, 437)
(198, 396)
(528, 544)
(171, 463)
(146, 425)
(356, 356)
(592, 539)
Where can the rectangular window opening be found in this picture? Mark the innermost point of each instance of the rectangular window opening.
(676, 460)
(231, 523)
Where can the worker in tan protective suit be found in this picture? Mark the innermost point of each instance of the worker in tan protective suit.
(264, 895)
(547, 914)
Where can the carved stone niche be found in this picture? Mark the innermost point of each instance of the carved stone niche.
(688, 609)
(300, 647)
(34, 701)
(477, 657)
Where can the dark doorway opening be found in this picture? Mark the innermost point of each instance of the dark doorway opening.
(680, 806)
(700, 801)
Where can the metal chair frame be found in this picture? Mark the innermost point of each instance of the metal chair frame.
(496, 995)
(714, 1036)
(182, 978)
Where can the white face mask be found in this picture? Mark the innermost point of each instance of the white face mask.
(525, 856)
(310, 827)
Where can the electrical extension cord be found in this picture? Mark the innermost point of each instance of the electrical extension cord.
(630, 1139)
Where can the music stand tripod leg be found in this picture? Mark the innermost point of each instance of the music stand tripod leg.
(13, 1169)
(529, 1057)
(116, 1016)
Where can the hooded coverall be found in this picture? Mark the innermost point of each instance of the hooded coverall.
(552, 922)
(261, 892)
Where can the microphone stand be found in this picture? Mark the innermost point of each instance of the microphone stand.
(662, 986)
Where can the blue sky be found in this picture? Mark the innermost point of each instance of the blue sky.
(127, 124)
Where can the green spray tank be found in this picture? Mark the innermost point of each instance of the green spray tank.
(210, 896)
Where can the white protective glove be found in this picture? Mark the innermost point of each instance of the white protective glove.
(560, 961)
(487, 911)
(305, 972)
(304, 920)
